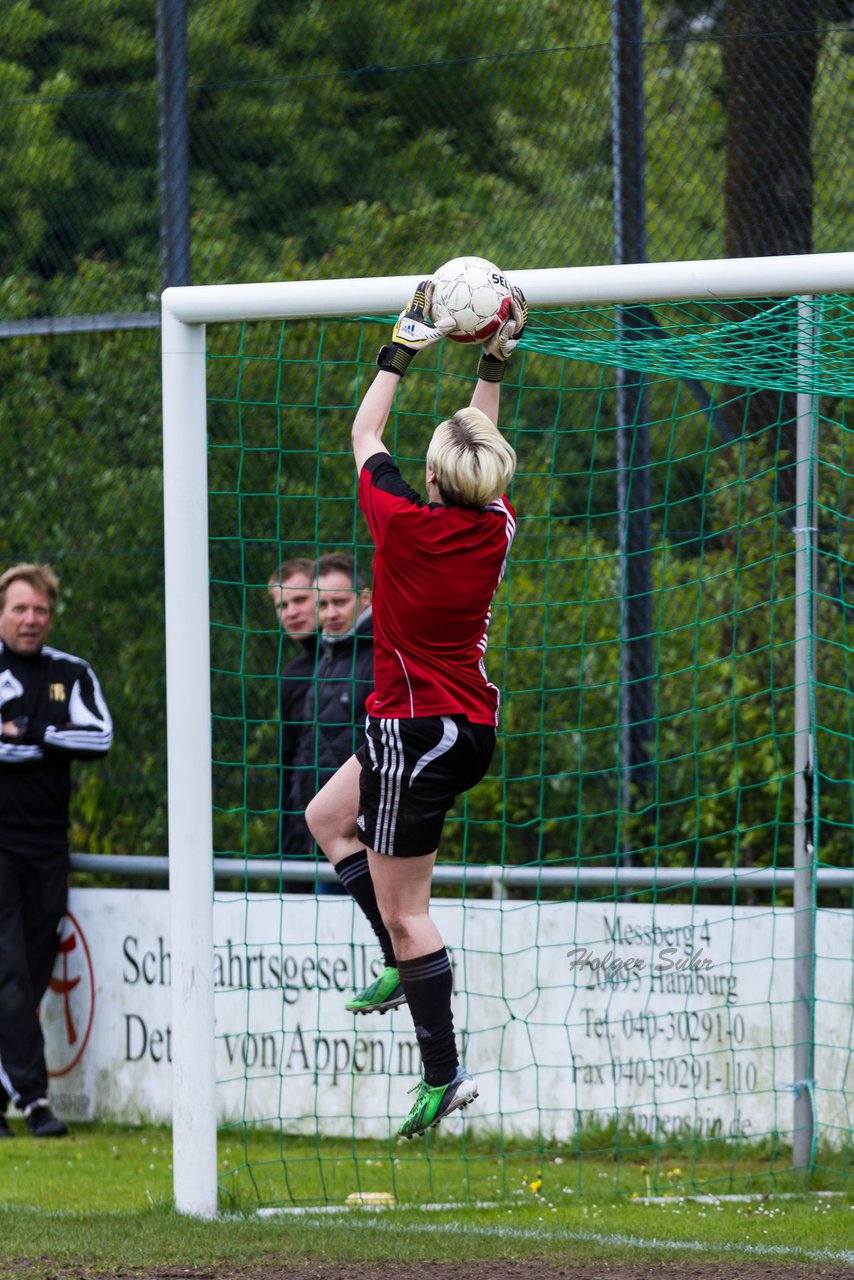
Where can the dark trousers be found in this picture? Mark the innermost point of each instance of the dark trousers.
(33, 901)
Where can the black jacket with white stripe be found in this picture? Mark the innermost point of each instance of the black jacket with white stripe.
(61, 713)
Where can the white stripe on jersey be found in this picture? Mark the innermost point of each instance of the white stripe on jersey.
(500, 506)
(79, 713)
(14, 752)
(10, 687)
(408, 683)
(509, 528)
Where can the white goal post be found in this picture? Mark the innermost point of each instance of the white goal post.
(185, 314)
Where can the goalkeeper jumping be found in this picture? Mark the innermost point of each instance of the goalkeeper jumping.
(433, 713)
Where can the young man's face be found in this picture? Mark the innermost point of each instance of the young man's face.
(339, 604)
(25, 618)
(295, 601)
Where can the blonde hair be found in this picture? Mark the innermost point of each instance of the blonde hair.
(41, 578)
(472, 462)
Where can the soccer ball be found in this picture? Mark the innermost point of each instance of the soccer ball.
(471, 292)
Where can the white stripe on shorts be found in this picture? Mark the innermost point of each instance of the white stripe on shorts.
(450, 734)
(391, 774)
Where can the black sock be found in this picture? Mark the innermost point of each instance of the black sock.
(428, 983)
(355, 875)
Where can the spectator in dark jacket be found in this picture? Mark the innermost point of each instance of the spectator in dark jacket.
(294, 594)
(333, 712)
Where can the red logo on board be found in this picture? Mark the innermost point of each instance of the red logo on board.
(68, 1008)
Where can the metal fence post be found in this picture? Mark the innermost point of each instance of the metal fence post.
(627, 96)
(173, 142)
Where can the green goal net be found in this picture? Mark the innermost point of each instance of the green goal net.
(648, 899)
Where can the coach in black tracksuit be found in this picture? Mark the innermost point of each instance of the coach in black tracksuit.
(52, 712)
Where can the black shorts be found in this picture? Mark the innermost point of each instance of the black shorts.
(412, 772)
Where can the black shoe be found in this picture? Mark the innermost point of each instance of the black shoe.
(5, 1131)
(42, 1123)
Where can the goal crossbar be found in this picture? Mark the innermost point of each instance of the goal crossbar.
(651, 282)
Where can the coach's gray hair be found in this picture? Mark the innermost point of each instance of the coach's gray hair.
(472, 462)
(41, 578)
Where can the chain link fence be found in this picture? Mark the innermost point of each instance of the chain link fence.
(330, 138)
(315, 127)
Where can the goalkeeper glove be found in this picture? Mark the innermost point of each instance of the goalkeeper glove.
(413, 332)
(500, 345)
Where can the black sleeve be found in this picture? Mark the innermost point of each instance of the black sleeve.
(89, 733)
(83, 727)
(385, 475)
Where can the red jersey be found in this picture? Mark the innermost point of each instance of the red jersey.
(436, 571)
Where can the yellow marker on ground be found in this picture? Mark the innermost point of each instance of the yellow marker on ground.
(371, 1198)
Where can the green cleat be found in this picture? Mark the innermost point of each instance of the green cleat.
(434, 1102)
(383, 994)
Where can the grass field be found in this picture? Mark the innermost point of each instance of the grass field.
(102, 1197)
